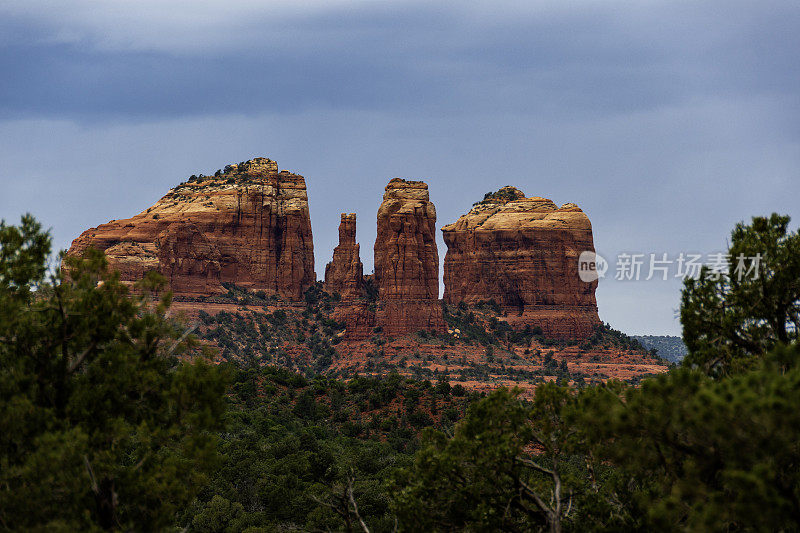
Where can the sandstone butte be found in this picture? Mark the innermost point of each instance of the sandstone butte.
(249, 225)
(523, 254)
(407, 260)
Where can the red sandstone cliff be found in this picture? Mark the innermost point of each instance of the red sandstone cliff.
(523, 253)
(407, 261)
(345, 273)
(249, 226)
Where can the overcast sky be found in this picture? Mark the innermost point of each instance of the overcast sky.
(666, 121)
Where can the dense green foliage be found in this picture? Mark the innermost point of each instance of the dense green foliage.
(488, 476)
(703, 453)
(684, 451)
(101, 427)
(294, 448)
(731, 319)
(503, 194)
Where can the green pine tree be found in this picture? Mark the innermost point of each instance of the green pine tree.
(101, 426)
(732, 319)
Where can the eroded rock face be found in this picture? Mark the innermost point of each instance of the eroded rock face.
(523, 253)
(358, 317)
(345, 273)
(407, 261)
(249, 226)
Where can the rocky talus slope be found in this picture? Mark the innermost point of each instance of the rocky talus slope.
(479, 350)
(249, 225)
(523, 254)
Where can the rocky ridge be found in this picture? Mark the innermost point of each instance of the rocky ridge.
(249, 226)
(237, 250)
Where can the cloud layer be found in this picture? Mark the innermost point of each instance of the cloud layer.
(666, 121)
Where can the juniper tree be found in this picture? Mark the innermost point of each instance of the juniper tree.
(101, 426)
(732, 317)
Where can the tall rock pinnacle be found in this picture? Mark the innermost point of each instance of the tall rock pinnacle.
(407, 261)
(345, 273)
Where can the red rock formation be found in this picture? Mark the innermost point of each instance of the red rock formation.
(345, 273)
(249, 226)
(523, 253)
(407, 261)
(358, 319)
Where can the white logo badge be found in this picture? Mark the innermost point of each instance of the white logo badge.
(591, 266)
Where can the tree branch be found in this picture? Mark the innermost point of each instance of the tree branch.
(535, 466)
(186, 333)
(79, 360)
(536, 498)
(95, 488)
(355, 507)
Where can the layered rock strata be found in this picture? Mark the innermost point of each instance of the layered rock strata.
(359, 319)
(407, 261)
(344, 275)
(523, 254)
(249, 225)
